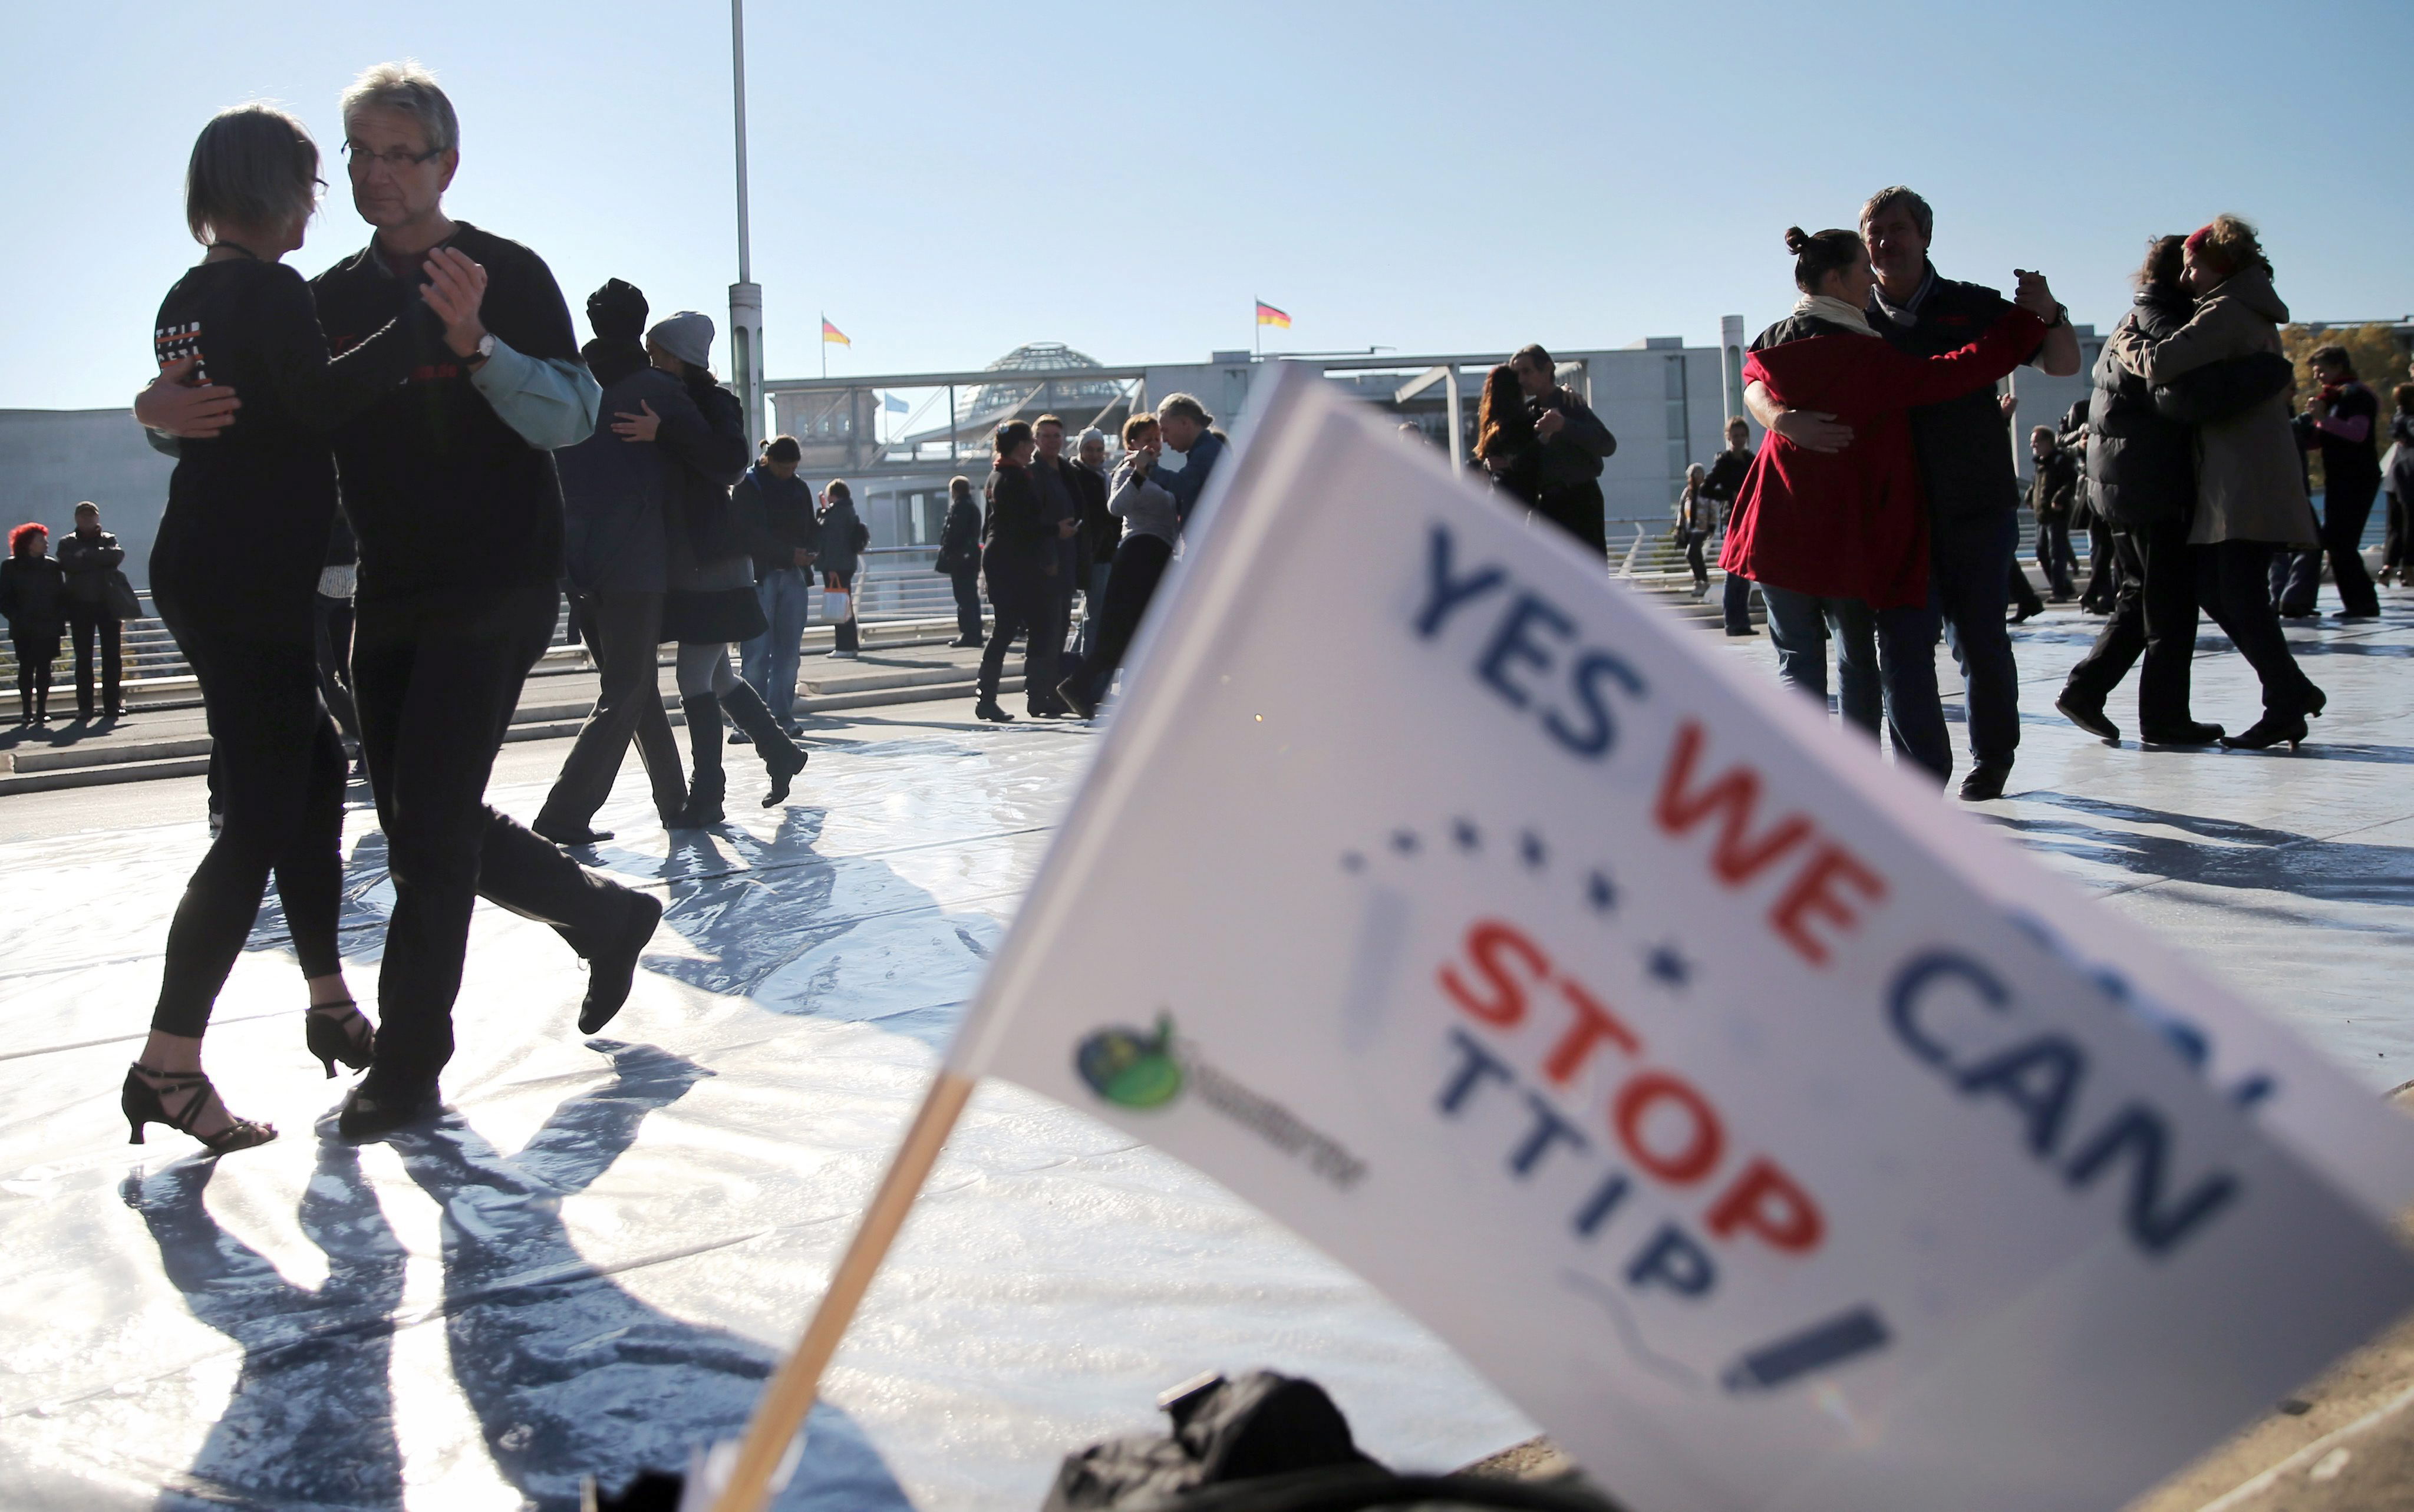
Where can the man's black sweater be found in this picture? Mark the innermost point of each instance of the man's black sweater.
(450, 504)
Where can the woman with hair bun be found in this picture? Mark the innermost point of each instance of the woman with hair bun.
(2250, 487)
(1838, 542)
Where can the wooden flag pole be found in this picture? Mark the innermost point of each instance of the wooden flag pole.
(791, 1393)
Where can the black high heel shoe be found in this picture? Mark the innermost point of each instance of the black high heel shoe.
(145, 1103)
(339, 1031)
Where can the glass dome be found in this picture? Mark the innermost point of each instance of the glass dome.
(996, 401)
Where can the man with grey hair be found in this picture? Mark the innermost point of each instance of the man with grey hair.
(450, 484)
(1965, 464)
(1185, 426)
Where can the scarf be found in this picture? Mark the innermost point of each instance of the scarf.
(1834, 311)
(1906, 315)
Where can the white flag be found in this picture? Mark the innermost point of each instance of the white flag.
(1776, 1136)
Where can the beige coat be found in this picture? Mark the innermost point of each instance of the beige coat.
(2250, 482)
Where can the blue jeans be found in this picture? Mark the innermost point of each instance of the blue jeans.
(769, 659)
(1735, 604)
(1094, 601)
(1886, 661)
(1969, 584)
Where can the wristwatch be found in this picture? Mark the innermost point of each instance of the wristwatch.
(485, 349)
(2060, 319)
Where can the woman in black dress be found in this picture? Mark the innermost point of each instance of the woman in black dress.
(232, 572)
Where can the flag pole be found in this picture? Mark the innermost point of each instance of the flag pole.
(1257, 330)
(791, 1393)
(825, 335)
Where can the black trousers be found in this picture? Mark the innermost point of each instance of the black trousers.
(1693, 542)
(966, 582)
(1577, 509)
(436, 688)
(35, 653)
(2346, 511)
(276, 768)
(2232, 582)
(2295, 578)
(2023, 592)
(1971, 560)
(1139, 566)
(91, 621)
(2153, 616)
(2393, 552)
(2054, 555)
(332, 627)
(622, 628)
(1023, 608)
(2104, 566)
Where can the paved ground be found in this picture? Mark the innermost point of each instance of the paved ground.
(645, 1218)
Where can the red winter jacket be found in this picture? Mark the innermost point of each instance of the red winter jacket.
(1851, 523)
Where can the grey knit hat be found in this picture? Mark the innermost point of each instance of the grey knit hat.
(686, 336)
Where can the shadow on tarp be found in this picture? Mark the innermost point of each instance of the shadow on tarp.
(310, 1422)
(801, 933)
(2218, 852)
(567, 1373)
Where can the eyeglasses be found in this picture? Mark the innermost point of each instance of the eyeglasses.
(358, 159)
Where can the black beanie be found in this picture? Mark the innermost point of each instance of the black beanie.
(617, 311)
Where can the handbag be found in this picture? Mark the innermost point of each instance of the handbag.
(837, 607)
(117, 596)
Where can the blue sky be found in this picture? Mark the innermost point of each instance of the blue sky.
(948, 181)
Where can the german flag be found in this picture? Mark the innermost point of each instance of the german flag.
(1268, 315)
(831, 332)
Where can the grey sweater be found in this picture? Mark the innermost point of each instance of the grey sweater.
(1144, 505)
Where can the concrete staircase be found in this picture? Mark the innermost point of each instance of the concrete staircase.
(167, 736)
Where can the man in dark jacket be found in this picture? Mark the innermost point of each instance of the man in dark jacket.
(1574, 442)
(2342, 418)
(450, 484)
(959, 558)
(1727, 472)
(774, 509)
(613, 520)
(90, 557)
(2053, 487)
(1060, 497)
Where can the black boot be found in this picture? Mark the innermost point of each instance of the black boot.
(782, 758)
(705, 787)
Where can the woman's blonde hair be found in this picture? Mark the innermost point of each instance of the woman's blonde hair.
(252, 166)
(2230, 244)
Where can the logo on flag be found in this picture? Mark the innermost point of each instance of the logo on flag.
(831, 332)
(1129, 1067)
(1268, 315)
